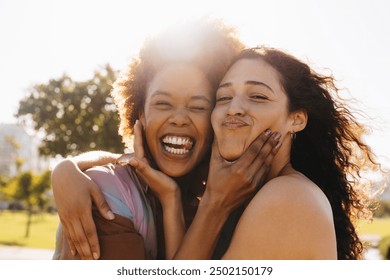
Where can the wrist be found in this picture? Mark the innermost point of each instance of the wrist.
(170, 199)
(213, 207)
(215, 201)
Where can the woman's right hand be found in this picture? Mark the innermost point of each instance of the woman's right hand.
(74, 192)
(230, 184)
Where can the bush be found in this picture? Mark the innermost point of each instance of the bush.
(384, 247)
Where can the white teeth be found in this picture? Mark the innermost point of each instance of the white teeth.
(175, 140)
(182, 144)
(176, 151)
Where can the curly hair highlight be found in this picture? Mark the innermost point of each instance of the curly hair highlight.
(207, 44)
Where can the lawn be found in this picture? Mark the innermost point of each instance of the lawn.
(42, 230)
(44, 226)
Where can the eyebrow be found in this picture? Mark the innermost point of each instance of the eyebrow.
(194, 97)
(253, 83)
(158, 92)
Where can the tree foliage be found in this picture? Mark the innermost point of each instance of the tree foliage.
(73, 116)
(32, 190)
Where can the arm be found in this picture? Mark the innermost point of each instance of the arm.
(94, 158)
(74, 192)
(166, 190)
(169, 196)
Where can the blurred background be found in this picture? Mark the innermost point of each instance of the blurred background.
(59, 58)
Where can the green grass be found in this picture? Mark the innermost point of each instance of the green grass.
(44, 226)
(42, 230)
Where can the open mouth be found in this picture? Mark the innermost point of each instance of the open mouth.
(177, 145)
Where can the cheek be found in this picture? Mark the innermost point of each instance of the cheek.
(205, 129)
(215, 117)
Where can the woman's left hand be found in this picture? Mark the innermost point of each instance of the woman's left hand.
(162, 185)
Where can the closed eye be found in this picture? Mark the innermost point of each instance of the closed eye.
(163, 104)
(223, 98)
(259, 97)
(198, 108)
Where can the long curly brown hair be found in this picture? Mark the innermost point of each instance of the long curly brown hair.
(330, 151)
(207, 44)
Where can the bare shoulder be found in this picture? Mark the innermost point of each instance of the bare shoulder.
(295, 191)
(289, 218)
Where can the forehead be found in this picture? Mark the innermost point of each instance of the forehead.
(180, 78)
(252, 69)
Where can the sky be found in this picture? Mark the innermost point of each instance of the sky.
(44, 39)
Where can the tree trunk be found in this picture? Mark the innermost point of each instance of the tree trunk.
(29, 213)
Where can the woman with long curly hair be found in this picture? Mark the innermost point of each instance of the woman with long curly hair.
(312, 196)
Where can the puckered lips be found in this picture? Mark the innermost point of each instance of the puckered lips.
(233, 122)
(177, 144)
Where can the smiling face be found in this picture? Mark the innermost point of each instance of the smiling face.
(176, 118)
(249, 100)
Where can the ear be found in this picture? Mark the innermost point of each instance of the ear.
(298, 121)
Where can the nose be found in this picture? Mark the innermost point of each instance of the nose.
(180, 117)
(236, 107)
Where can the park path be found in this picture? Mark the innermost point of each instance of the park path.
(20, 253)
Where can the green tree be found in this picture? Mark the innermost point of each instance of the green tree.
(24, 193)
(32, 190)
(3, 184)
(73, 116)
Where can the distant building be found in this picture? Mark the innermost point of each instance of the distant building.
(27, 151)
(386, 193)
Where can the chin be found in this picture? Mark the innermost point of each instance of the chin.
(175, 170)
(231, 156)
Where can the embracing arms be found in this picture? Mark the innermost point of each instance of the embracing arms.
(229, 185)
(74, 192)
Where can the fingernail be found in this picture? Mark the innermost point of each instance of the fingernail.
(72, 252)
(123, 160)
(110, 215)
(277, 136)
(95, 256)
(267, 132)
(278, 145)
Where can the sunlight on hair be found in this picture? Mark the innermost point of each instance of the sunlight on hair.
(182, 44)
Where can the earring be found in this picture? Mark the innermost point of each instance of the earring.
(293, 136)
